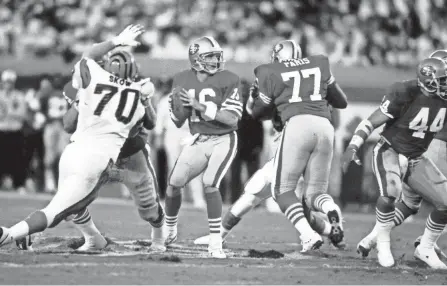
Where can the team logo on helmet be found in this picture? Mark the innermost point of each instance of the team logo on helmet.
(193, 49)
(428, 70)
(278, 48)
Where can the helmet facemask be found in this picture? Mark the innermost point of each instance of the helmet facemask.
(436, 85)
(211, 62)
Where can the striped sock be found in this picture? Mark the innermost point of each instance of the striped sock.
(295, 215)
(384, 217)
(84, 223)
(171, 222)
(434, 227)
(82, 217)
(324, 203)
(402, 212)
(215, 224)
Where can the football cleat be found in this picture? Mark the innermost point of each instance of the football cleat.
(217, 253)
(97, 242)
(438, 250)
(172, 237)
(158, 237)
(312, 242)
(5, 237)
(215, 248)
(367, 244)
(205, 240)
(429, 256)
(384, 254)
(336, 235)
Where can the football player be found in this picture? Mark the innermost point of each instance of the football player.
(302, 90)
(133, 168)
(208, 97)
(413, 112)
(437, 153)
(257, 189)
(110, 105)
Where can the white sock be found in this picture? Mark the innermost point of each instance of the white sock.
(429, 238)
(19, 230)
(88, 229)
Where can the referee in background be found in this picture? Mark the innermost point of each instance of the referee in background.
(13, 114)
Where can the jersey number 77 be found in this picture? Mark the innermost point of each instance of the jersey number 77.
(305, 73)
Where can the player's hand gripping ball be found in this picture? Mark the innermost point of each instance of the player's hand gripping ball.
(181, 112)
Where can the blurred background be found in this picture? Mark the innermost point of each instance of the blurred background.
(370, 44)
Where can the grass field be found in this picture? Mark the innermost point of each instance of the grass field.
(127, 260)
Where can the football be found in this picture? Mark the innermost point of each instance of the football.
(181, 112)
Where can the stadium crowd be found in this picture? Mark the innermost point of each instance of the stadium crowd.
(352, 32)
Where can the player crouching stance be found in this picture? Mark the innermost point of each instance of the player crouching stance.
(301, 90)
(208, 97)
(133, 168)
(109, 107)
(413, 112)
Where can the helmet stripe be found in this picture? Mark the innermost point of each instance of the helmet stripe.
(122, 58)
(212, 41)
(127, 64)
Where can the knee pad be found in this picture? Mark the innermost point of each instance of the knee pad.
(385, 204)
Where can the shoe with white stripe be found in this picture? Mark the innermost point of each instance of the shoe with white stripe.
(96, 242)
(310, 242)
(367, 244)
(429, 256)
(438, 250)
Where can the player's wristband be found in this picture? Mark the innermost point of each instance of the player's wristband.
(210, 111)
(361, 133)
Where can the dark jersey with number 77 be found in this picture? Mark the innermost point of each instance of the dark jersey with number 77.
(416, 118)
(295, 86)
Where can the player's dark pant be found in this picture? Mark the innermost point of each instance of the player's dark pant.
(137, 173)
(424, 179)
(12, 156)
(210, 154)
(306, 147)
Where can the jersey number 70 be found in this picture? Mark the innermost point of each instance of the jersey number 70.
(124, 95)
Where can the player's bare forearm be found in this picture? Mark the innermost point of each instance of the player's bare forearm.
(70, 120)
(97, 51)
(336, 97)
(366, 127)
(150, 117)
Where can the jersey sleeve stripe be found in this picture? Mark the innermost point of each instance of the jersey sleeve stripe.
(265, 98)
(237, 109)
(331, 80)
(85, 73)
(233, 102)
(385, 112)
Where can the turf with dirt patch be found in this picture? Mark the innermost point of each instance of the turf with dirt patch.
(263, 249)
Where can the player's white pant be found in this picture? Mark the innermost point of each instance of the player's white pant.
(83, 169)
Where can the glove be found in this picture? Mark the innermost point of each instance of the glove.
(127, 36)
(254, 90)
(147, 90)
(350, 155)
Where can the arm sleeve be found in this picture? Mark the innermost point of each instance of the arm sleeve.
(263, 97)
(233, 100)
